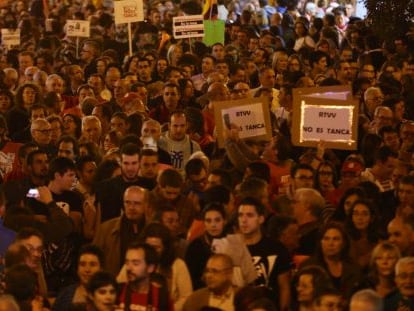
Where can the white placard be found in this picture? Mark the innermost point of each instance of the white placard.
(77, 28)
(249, 118)
(10, 38)
(128, 11)
(190, 26)
(326, 123)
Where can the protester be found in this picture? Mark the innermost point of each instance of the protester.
(94, 166)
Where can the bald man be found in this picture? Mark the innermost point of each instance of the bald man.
(114, 235)
(217, 91)
(401, 233)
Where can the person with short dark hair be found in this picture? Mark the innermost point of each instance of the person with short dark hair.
(62, 176)
(200, 249)
(120, 123)
(385, 161)
(168, 193)
(177, 142)
(144, 287)
(390, 137)
(274, 274)
(37, 166)
(330, 297)
(302, 176)
(196, 174)
(284, 229)
(89, 261)
(67, 147)
(102, 291)
(207, 67)
(219, 177)
(59, 193)
(109, 193)
(148, 168)
(170, 102)
(172, 268)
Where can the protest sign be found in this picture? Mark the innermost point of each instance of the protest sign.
(128, 11)
(4, 3)
(328, 114)
(251, 116)
(10, 38)
(213, 32)
(189, 26)
(77, 28)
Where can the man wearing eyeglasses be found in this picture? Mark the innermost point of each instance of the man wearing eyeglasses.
(219, 291)
(383, 116)
(373, 98)
(91, 50)
(41, 132)
(404, 280)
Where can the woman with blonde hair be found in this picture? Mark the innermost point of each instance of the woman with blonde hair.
(380, 278)
(174, 53)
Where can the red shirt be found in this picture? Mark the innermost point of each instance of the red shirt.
(141, 299)
(9, 160)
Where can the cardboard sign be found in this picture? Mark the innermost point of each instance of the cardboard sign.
(128, 11)
(190, 26)
(10, 38)
(328, 114)
(250, 115)
(213, 32)
(4, 3)
(77, 28)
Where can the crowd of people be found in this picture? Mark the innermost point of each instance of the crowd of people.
(114, 191)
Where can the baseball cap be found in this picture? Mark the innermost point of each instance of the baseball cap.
(352, 166)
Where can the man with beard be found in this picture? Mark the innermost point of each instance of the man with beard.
(37, 163)
(168, 193)
(144, 288)
(148, 168)
(114, 235)
(110, 192)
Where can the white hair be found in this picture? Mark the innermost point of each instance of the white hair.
(313, 198)
(371, 90)
(403, 261)
(90, 119)
(368, 296)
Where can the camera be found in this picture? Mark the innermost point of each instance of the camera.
(33, 193)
